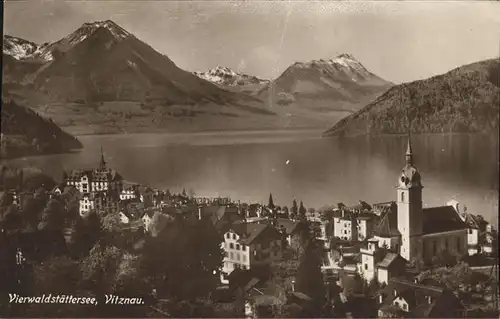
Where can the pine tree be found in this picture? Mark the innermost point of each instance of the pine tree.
(294, 210)
(271, 202)
(302, 211)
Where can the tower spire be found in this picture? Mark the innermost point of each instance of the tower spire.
(103, 162)
(409, 151)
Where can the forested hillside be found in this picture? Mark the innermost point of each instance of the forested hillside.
(464, 100)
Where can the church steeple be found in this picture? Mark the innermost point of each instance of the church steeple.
(409, 153)
(102, 165)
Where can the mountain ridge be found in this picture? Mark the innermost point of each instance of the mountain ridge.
(464, 99)
(25, 133)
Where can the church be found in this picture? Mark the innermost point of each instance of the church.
(413, 232)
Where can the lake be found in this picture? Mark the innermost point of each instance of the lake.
(295, 164)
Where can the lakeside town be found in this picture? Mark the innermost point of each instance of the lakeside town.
(94, 234)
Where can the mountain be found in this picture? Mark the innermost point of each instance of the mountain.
(18, 48)
(226, 77)
(341, 82)
(102, 79)
(26, 133)
(102, 62)
(465, 99)
(323, 91)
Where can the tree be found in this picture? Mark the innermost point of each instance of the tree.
(302, 211)
(183, 262)
(294, 210)
(309, 279)
(286, 212)
(271, 202)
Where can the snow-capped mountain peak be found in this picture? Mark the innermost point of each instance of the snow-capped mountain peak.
(18, 48)
(88, 28)
(226, 76)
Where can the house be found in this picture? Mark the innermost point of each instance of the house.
(413, 300)
(345, 225)
(472, 227)
(289, 229)
(248, 245)
(129, 192)
(220, 215)
(154, 222)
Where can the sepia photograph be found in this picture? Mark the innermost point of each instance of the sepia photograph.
(249, 159)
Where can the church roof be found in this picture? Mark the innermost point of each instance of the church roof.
(388, 226)
(441, 219)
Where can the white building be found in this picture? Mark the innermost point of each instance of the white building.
(249, 244)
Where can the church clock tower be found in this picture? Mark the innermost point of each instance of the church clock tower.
(409, 202)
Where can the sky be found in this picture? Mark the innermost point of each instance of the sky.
(400, 41)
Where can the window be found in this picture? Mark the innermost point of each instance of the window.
(231, 245)
(231, 255)
(244, 258)
(366, 266)
(243, 247)
(402, 196)
(237, 256)
(470, 231)
(405, 306)
(228, 235)
(237, 247)
(234, 236)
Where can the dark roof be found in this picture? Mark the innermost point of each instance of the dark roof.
(441, 219)
(391, 260)
(253, 232)
(289, 225)
(388, 226)
(416, 295)
(95, 175)
(470, 220)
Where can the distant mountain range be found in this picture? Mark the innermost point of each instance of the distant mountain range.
(26, 133)
(226, 77)
(102, 79)
(465, 99)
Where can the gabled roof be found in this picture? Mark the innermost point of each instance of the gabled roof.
(289, 225)
(388, 226)
(470, 220)
(251, 233)
(391, 260)
(441, 219)
(416, 295)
